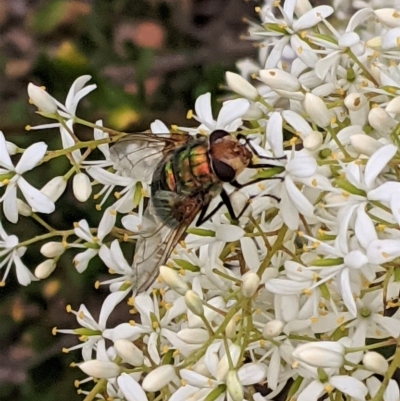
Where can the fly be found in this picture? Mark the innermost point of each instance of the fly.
(186, 174)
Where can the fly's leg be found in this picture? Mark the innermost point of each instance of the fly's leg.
(238, 185)
(203, 217)
(248, 203)
(248, 143)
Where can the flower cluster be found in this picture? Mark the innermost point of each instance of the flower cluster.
(291, 298)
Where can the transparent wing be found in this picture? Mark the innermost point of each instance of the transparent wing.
(158, 240)
(138, 154)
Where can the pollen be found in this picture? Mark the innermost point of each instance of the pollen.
(340, 320)
(97, 284)
(303, 34)
(132, 323)
(54, 331)
(81, 315)
(98, 207)
(295, 364)
(174, 127)
(143, 192)
(6, 181)
(125, 238)
(183, 383)
(68, 308)
(262, 343)
(314, 182)
(257, 9)
(300, 233)
(313, 319)
(28, 128)
(176, 353)
(385, 255)
(328, 388)
(155, 325)
(117, 195)
(293, 141)
(65, 350)
(299, 50)
(261, 186)
(307, 292)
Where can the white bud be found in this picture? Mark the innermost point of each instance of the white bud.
(173, 280)
(234, 387)
(375, 362)
(391, 39)
(230, 329)
(388, 16)
(324, 354)
(394, 106)
(253, 113)
(100, 369)
(313, 141)
(129, 352)
(381, 120)
(250, 283)
(194, 303)
(41, 99)
(317, 110)
(240, 86)
(23, 208)
(44, 269)
(374, 43)
(272, 329)
(158, 378)
(52, 249)
(12, 149)
(364, 144)
(279, 79)
(81, 187)
(193, 336)
(355, 101)
(54, 188)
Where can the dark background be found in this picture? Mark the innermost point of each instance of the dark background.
(150, 59)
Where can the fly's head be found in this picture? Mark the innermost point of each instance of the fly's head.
(229, 157)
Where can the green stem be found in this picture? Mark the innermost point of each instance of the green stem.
(101, 385)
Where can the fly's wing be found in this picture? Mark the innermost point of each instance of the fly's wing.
(137, 155)
(154, 247)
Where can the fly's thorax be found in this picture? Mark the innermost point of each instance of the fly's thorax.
(228, 156)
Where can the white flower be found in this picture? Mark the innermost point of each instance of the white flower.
(229, 117)
(36, 199)
(41, 99)
(11, 254)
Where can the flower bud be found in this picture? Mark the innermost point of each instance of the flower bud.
(100, 369)
(324, 354)
(313, 141)
(394, 106)
(223, 364)
(272, 329)
(317, 110)
(129, 352)
(158, 378)
(375, 362)
(52, 249)
(389, 17)
(391, 39)
(380, 120)
(12, 149)
(230, 330)
(81, 187)
(41, 99)
(173, 280)
(193, 336)
(279, 79)
(250, 283)
(44, 269)
(355, 101)
(194, 303)
(234, 387)
(23, 208)
(364, 144)
(54, 188)
(240, 86)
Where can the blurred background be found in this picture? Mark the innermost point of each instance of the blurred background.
(150, 59)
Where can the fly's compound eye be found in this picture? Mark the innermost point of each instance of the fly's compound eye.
(223, 171)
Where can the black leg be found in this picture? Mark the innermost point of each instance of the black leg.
(248, 143)
(203, 217)
(240, 186)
